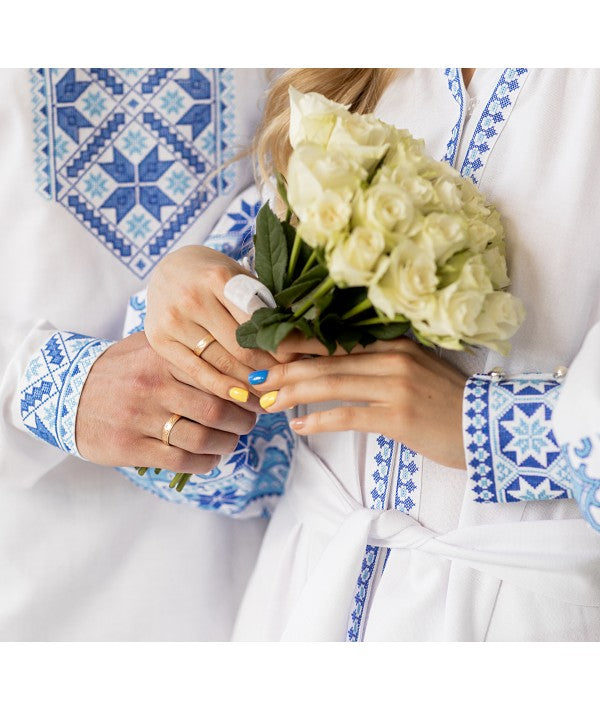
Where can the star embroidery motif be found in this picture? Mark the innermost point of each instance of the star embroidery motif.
(531, 436)
(530, 491)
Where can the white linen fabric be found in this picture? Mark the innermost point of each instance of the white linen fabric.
(577, 425)
(102, 173)
(455, 568)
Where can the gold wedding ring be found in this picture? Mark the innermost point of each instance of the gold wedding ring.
(202, 344)
(166, 430)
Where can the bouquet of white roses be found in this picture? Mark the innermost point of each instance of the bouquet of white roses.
(378, 238)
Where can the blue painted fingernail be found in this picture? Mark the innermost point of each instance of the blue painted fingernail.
(258, 377)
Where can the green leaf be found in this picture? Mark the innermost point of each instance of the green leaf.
(282, 189)
(327, 329)
(349, 338)
(323, 301)
(366, 339)
(304, 327)
(301, 286)
(269, 336)
(388, 331)
(246, 334)
(271, 253)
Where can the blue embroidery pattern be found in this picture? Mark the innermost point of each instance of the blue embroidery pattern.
(248, 483)
(234, 231)
(381, 476)
(52, 385)
(512, 454)
(454, 84)
(584, 460)
(492, 121)
(129, 152)
(408, 466)
(232, 236)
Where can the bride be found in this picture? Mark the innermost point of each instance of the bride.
(426, 499)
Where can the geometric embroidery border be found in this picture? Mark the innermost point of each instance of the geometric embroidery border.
(380, 477)
(52, 385)
(492, 121)
(512, 454)
(453, 77)
(132, 154)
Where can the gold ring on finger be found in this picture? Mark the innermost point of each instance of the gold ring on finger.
(202, 344)
(168, 427)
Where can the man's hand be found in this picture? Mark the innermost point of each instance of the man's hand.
(129, 395)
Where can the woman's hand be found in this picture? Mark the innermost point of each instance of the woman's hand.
(129, 395)
(410, 395)
(186, 304)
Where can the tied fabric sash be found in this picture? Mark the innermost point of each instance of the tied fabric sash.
(554, 558)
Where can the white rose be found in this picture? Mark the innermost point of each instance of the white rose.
(315, 119)
(312, 117)
(406, 151)
(454, 310)
(451, 313)
(361, 137)
(406, 177)
(405, 284)
(353, 260)
(444, 234)
(325, 219)
(475, 276)
(495, 264)
(387, 208)
(448, 194)
(312, 170)
(436, 169)
(481, 234)
(500, 317)
(473, 201)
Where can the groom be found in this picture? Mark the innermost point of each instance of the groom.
(104, 171)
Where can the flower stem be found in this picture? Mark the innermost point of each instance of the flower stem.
(294, 256)
(185, 477)
(380, 321)
(176, 480)
(309, 263)
(359, 308)
(321, 290)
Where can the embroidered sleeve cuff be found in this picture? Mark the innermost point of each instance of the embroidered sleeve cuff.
(510, 448)
(52, 385)
(246, 484)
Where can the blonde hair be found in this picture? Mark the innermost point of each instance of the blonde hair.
(361, 88)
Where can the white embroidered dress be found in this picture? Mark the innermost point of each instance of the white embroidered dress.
(371, 541)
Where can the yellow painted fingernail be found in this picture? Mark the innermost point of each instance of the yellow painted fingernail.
(239, 394)
(268, 399)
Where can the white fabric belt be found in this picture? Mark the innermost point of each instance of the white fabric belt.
(553, 558)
